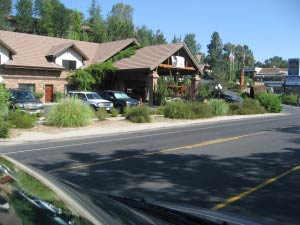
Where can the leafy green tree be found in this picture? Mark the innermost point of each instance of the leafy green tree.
(191, 42)
(215, 48)
(82, 79)
(24, 20)
(277, 62)
(98, 30)
(144, 36)
(5, 7)
(55, 18)
(119, 22)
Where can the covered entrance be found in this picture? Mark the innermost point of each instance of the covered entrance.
(139, 74)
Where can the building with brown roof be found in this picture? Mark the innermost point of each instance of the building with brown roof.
(139, 73)
(42, 63)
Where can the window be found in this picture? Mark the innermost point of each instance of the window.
(28, 87)
(69, 64)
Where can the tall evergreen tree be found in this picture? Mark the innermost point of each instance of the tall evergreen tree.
(215, 48)
(191, 42)
(119, 22)
(159, 38)
(24, 20)
(98, 31)
(5, 8)
(176, 39)
(75, 29)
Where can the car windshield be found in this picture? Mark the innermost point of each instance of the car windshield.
(22, 95)
(121, 95)
(93, 96)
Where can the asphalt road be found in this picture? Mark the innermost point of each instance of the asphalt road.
(249, 168)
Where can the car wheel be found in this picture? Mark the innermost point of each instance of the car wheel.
(93, 107)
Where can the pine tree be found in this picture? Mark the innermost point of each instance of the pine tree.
(215, 49)
(191, 42)
(98, 31)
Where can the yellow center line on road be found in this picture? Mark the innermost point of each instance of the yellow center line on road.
(254, 189)
(201, 144)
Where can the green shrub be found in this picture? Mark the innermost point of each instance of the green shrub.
(290, 99)
(270, 102)
(248, 107)
(20, 119)
(58, 96)
(4, 128)
(182, 110)
(101, 114)
(114, 112)
(39, 95)
(70, 113)
(138, 114)
(219, 107)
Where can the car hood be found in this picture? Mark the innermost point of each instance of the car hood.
(131, 100)
(99, 101)
(24, 101)
(183, 214)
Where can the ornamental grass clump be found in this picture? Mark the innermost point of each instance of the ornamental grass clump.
(138, 114)
(219, 107)
(183, 110)
(101, 114)
(270, 101)
(20, 119)
(248, 107)
(70, 113)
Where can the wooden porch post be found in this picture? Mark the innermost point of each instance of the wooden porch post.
(195, 86)
(151, 84)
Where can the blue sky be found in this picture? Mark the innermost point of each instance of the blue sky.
(268, 27)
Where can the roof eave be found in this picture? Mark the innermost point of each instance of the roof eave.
(10, 49)
(32, 67)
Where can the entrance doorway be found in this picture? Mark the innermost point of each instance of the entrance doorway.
(48, 93)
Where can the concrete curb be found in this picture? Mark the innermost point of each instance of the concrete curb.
(75, 133)
(59, 191)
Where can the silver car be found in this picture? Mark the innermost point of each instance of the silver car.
(92, 99)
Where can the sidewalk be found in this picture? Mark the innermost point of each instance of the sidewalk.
(114, 126)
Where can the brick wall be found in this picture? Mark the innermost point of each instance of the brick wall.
(14, 77)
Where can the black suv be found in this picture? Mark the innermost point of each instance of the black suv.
(25, 100)
(120, 99)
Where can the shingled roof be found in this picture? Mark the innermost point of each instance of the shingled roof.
(151, 57)
(32, 50)
(272, 71)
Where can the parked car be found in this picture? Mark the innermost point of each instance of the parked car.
(92, 99)
(25, 100)
(120, 99)
(229, 97)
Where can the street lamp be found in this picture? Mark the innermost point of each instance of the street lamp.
(219, 88)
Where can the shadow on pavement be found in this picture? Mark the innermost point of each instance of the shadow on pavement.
(198, 180)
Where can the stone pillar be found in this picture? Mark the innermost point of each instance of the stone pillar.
(151, 84)
(195, 86)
